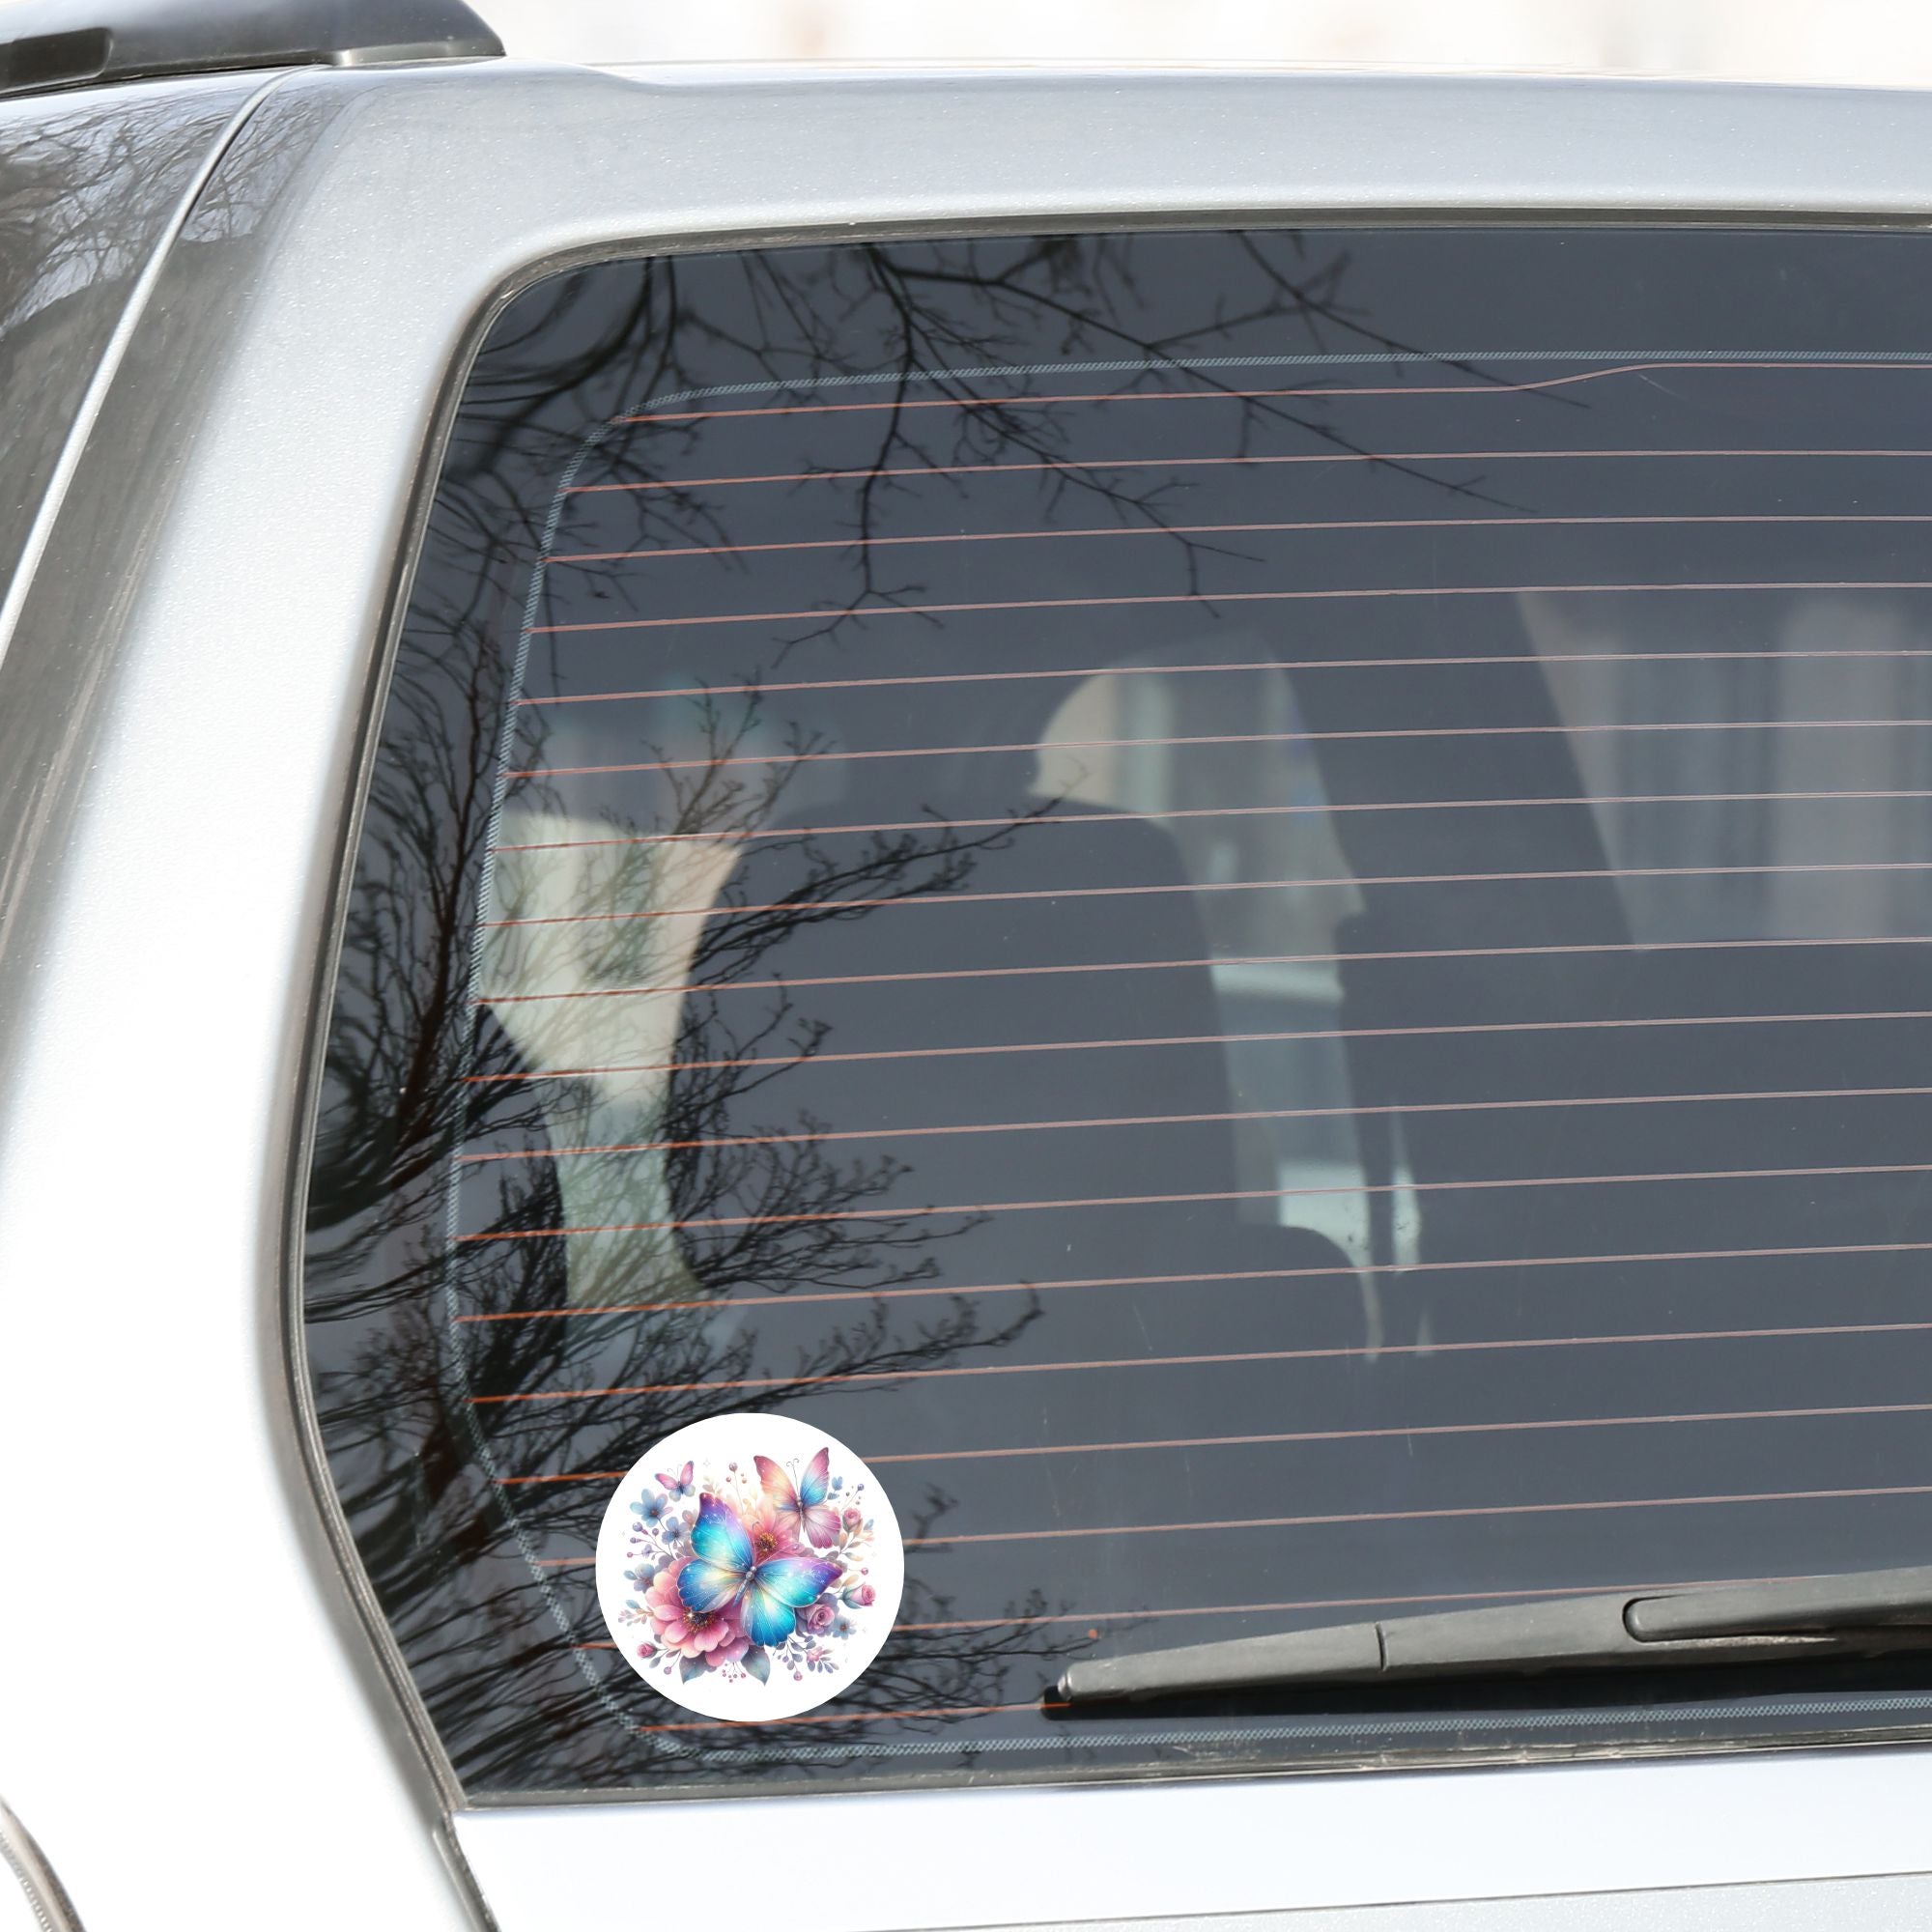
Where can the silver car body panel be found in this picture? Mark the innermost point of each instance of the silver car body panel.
(183, 716)
(1214, 1856)
(91, 190)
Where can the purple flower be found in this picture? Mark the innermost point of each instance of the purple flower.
(817, 1615)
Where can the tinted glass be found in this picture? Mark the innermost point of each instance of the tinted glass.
(1253, 906)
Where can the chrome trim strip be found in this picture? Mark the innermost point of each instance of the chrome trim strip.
(46, 1898)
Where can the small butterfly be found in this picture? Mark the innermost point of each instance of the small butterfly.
(723, 1570)
(678, 1485)
(802, 1508)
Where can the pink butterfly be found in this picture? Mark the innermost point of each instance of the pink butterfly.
(679, 1484)
(801, 1508)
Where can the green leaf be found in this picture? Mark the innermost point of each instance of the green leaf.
(760, 1663)
(693, 1666)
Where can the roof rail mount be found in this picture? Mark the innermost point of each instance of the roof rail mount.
(56, 43)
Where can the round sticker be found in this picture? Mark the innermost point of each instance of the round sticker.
(749, 1567)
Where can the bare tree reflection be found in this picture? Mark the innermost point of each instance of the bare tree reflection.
(416, 1072)
(83, 192)
(610, 1075)
(924, 323)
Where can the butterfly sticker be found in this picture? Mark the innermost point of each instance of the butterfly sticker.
(724, 1571)
(749, 1568)
(801, 1508)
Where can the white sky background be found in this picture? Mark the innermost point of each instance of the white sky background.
(1868, 42)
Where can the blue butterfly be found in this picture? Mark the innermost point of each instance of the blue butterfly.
(724, 1569)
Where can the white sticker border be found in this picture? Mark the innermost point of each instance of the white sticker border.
(707, 1663)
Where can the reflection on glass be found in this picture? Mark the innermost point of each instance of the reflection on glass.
(85, 191)
(1276, 962)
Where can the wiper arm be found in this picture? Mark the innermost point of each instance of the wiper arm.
(1860, 1614)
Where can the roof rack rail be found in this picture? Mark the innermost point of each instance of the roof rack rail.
(57, 44)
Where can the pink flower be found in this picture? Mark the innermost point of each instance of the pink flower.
(689, 1632)
(859, 1597)
(736, 1643)
(817, 1615)
(854, 1520)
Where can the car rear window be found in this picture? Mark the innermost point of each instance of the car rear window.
(1253, 906)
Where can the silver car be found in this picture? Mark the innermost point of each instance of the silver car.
(942, 999)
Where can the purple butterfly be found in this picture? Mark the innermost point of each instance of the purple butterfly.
(799, 1509)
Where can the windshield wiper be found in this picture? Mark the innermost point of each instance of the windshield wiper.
(1860, 1614)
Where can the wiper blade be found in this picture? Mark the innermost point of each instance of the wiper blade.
(1862, 1615)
